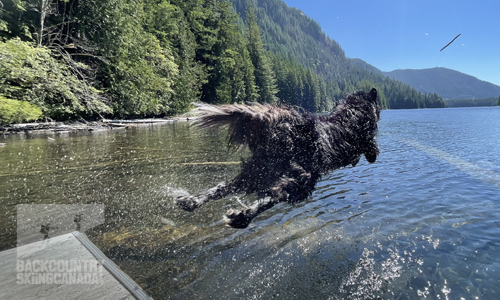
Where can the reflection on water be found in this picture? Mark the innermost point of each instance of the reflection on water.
(420, 222)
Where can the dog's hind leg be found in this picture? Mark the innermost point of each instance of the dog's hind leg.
(190, 203)
(288, 189)
(242, 217)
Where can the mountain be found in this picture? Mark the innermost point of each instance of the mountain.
(449, 84)
(289, 34)
(363, 64)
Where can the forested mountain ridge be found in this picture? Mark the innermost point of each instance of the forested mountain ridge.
(458, 89)
(67, 59)
(366, 66)
(292, 34)
(449, 84)
(289, 33)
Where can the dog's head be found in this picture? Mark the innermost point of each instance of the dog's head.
(370, 146)
(367, 103)
(361, 111)
(372, 98)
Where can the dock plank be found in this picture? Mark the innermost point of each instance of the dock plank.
(64, 252)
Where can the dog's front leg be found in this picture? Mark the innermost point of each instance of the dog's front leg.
(371, 151)
(190, 203)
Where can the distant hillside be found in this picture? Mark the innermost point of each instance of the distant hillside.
(449, 84)
(366, 66)
(291, 33)
(492, 101)
(293, 36)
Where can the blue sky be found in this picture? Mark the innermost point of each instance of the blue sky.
(398, 34)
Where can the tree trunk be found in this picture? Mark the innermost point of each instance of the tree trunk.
(44, 9)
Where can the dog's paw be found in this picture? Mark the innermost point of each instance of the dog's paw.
(187, 203)
(238, 218)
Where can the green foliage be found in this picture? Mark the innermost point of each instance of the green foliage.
(34, 75)
(289, 33)
(225, 64)
(14, 21)
(136, 71)
(492, 101)
(129, 58)
(248, 74)
(13, 111)
(263, 72)
(170, 25)
(299, 86)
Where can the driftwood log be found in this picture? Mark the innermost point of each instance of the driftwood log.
(79, 125)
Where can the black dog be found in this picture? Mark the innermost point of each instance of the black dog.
(290, 150)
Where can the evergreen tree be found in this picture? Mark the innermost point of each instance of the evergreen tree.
(169, 25)
(312, 93)
(226, 65)
(263, 72)
(128, 58)
(247, 69)
(188, 84)
(136, 69)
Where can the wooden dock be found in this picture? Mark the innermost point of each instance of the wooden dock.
(69, 266)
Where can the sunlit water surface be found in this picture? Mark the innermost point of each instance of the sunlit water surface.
(423, 221)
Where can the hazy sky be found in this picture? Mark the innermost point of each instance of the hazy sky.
(399, 34)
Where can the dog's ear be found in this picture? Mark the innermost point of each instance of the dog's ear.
(373, 95)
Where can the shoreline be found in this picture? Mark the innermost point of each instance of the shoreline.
(82, 126)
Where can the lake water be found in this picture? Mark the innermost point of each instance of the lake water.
(421, 222)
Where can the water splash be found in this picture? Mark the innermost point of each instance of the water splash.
(370, 276)
(173, 192)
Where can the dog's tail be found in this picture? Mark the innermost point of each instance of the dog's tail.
(245, 122)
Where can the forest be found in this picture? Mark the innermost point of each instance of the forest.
(491, 101)
(70, 59)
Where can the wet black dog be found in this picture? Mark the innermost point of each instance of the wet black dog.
(290, 150)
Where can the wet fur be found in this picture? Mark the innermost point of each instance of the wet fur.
(290, 150)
